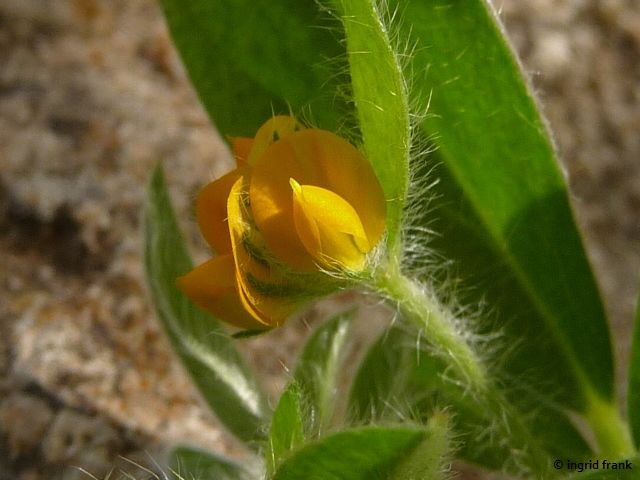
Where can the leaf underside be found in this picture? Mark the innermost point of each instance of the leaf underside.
(205, 349)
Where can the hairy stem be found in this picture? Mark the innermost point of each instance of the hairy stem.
(438, 326)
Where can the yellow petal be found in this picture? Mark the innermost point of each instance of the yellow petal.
(241, 146)
(319, 158)
(274, 129)
(212, 286)
(264, 291)
(272, 207)
(211, 211)
(329, 227)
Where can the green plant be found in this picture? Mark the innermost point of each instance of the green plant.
(426, 89)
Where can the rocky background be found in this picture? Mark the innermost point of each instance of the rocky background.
(92, 95)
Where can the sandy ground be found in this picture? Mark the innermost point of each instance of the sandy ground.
(92, 95)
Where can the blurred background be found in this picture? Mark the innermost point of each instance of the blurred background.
(92, 95)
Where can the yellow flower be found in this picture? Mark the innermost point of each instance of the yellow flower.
(301, 202)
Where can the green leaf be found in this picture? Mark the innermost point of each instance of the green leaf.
(205, 349)
(398, 380)
(380, 97)
(188, 463)
(367, 453)
(287, 428)
(505, 214)
(308, 404)
(250, 59)
(428, 460)
(317, 372)
(615, 470)
(633, 400)
(381, 388)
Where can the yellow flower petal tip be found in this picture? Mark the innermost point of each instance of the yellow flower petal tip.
(301, 201)
(329, 227)
(274, 129)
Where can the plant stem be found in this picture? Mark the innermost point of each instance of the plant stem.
(438, 326)
(609, 429)
(436, 323)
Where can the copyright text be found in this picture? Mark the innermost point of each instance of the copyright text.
(592, 465)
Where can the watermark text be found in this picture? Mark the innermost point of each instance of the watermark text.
(592, 465)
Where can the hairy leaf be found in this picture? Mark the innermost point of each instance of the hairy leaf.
(317, 373)
(503, 205)
(287, 428)
(205, 349)
(380, 96)
(367, 453)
